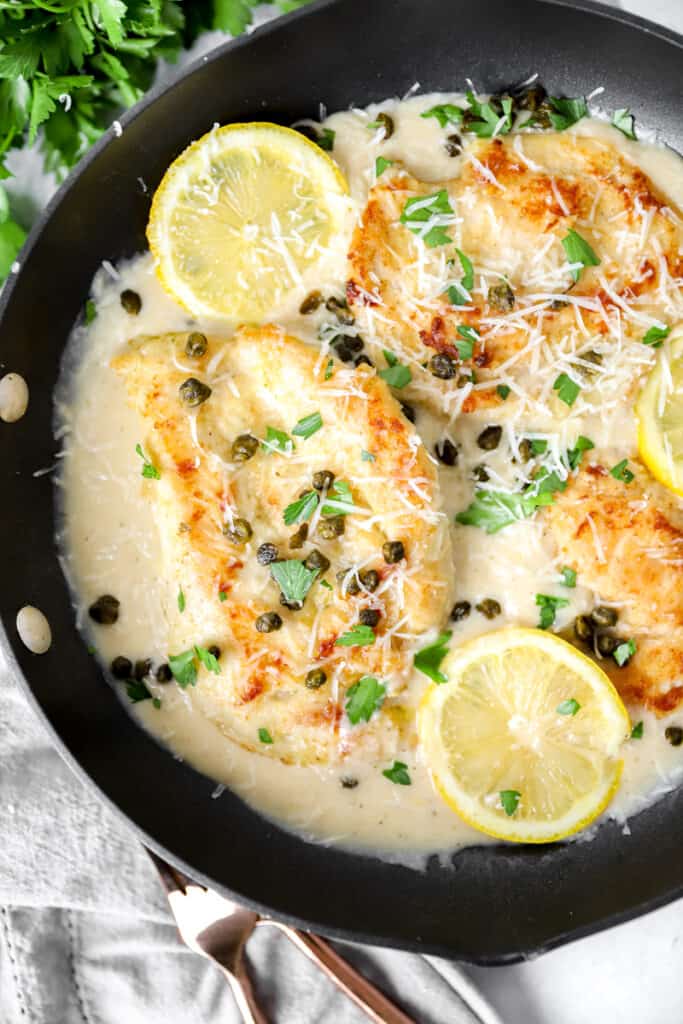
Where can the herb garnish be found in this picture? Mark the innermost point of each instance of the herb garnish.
(568, 707)
(578, 250)
(575, 454)
(367, 456)
(301, 510)
(181, 600)
(621, 472)
(458, 293)
(509, 799)
(567, 389)
(492, 510)
(656, 335)
(308, 425)
(137, 691)
(326, 139)
(429, 658)
(381, 164)
(90, 312)
(624, 121)
(637, 731)
(149, 470)
(184, 668)
(490, 122)
(624, 652)
(339, 501)
(566, 111)
(568, 577)
(398, 774)
(222, 596)
(208, 660)
(293, 579)
(277, 441)
(326, 585)
(421, 209)
(329, 369)
(468, 338)
(445, 113)
(503, 390)
(358, 636)
(264, 735)
(549, 606)
(397, 374)
(363, 699)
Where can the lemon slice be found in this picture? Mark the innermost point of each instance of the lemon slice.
(243, 217)
(523, 740)
(660, 416)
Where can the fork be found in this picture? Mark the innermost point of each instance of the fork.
(218, 929)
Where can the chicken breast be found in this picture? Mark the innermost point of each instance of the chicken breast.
(513, 202)
(235, 470)
(625, 542)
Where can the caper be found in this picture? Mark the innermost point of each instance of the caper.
(341, 310)
(489, 607)
(298, 539)
(351, 343)
(446, 452)
(131, 301)
(526, 450)
(195, 346)
(121, 668)
(583, 627)
(408, 411)
(393, 551)
(480, 473)
(501, 297)
(215, 650)
(312, 301)
(387, 122)
(370, 579)
(294, 606)
(490, 438)
(674, 734)
(163, 674)
(604, 616)
(343, 350)
(363, 360)
(316, 678)
(323, 479)
(443, 366)
(348, 782)
(244, 447)
(268, 622)
(352, 586)
(142, 669)
(331, 528)
(194, 392)
(266, 554)
(453, 144)
(316, 560)
(105, 610)
(461, 609)
(532, 98)
(369, 617)
(595, 358)
(607, 644)
(558, 304)
(239, 532)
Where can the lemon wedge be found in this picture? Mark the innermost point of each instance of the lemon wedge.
(245, 217)
(660, 416)
(524, 739)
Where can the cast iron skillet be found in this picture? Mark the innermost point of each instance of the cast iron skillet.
(490, 904)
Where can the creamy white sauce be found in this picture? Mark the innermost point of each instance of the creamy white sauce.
(110, 544)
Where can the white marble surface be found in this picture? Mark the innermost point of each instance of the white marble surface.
(630, 974)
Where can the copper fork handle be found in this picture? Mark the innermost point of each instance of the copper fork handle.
(243, 991)
(364, 994)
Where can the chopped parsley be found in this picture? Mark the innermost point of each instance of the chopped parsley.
(277, 441)
(301, 510)
(458, 293)
(429, 658)
(264, 735)
(398, 774)
(656, 335)
(137, 691)
(488, 121)
(329, 369)
(624, 652)
(339, 501)
(567, 389)
(566, 111)
(419, 210)
(622, 472)
(208, 660)
(625, 122)
(90, 312)
(222, 596)
(568, 707)
(575, 454)
(637, 731)
(184, 668)
(308, 426)
(397, 374)
(538, 446)
(367, 456)
(509, 799)
(468, 338)
(445, 114)
(503, 390)
(549, 606)
(149, 471)
(358, 636)
(326, 585)
(568, 577)
(293, 579)
(363, 699)
(326, 139)
(578, 250)
(381, 164)
(493, 510)
(181, 600)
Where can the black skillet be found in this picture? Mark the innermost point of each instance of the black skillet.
(490, 904)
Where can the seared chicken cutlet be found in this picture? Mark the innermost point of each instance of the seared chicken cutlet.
(626, 543)
(511, 212)
(297, 507)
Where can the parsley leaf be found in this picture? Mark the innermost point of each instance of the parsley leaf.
(503, 390)
(568, 707)
(367, 456)
(329, 369)
(624, 121)
(419, 213)
(326, 585)
(549, 606)
(326, 139)
(397, 375)
(339, 501)
(575, 454)
(568, 577)
(578, 250)
(490, 120)
(264, 735)
(567, 389)
(656, 335)
(429, 658)
(184, 668)
(566, 111)
(363, 699)
(381, 164)
(90, 312)
(509, 799)
(624, 652)
(358, 636)
(301, 510)
(468, 338)
(445, 113)
(308, 426)
(621, 472)
(293, 579)
(277, 441)
(149, 471)
(181, 600)
(493, 510)
(637, 731)
(222, 596)
(398, 774)
(137, 691)
(208, 660)
(458, 293)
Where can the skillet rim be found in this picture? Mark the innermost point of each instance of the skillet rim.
(563, 936)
